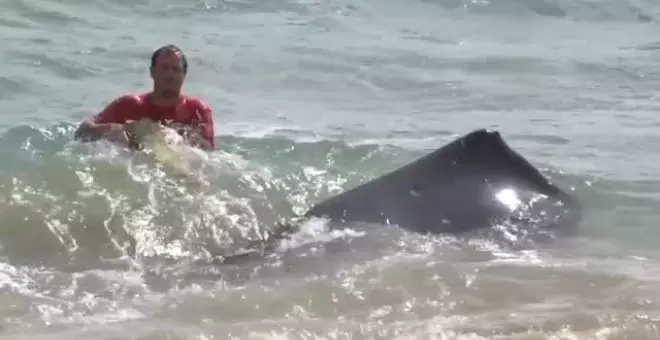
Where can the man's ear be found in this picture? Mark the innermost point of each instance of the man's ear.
(151, 72)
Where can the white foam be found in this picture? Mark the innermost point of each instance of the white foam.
(315, 230)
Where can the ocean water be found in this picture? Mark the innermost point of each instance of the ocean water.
(312, 98)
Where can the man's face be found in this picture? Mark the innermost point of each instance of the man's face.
(168, 73)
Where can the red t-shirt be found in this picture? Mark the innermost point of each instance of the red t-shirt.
(189, 111)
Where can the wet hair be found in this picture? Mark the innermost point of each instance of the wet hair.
(170, 48)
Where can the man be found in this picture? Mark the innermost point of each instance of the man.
(164, 104)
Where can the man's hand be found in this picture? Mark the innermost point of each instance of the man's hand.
(117, 134)
(196, 139)
(193, 135)
(90, 131)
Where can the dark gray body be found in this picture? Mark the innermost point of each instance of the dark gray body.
(454, 189)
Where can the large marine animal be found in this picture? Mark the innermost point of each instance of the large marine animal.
(476, 181)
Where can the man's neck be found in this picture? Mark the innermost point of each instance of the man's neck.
(165, 99)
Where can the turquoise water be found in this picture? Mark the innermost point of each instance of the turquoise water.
(310, 98)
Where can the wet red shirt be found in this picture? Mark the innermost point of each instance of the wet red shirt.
(189, 111)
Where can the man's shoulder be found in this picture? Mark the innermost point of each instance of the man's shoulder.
(130, 99)
(197, 102)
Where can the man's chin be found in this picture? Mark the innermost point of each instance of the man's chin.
(169, 93)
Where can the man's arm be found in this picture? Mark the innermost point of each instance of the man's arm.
(205, 127)
(109, 120)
